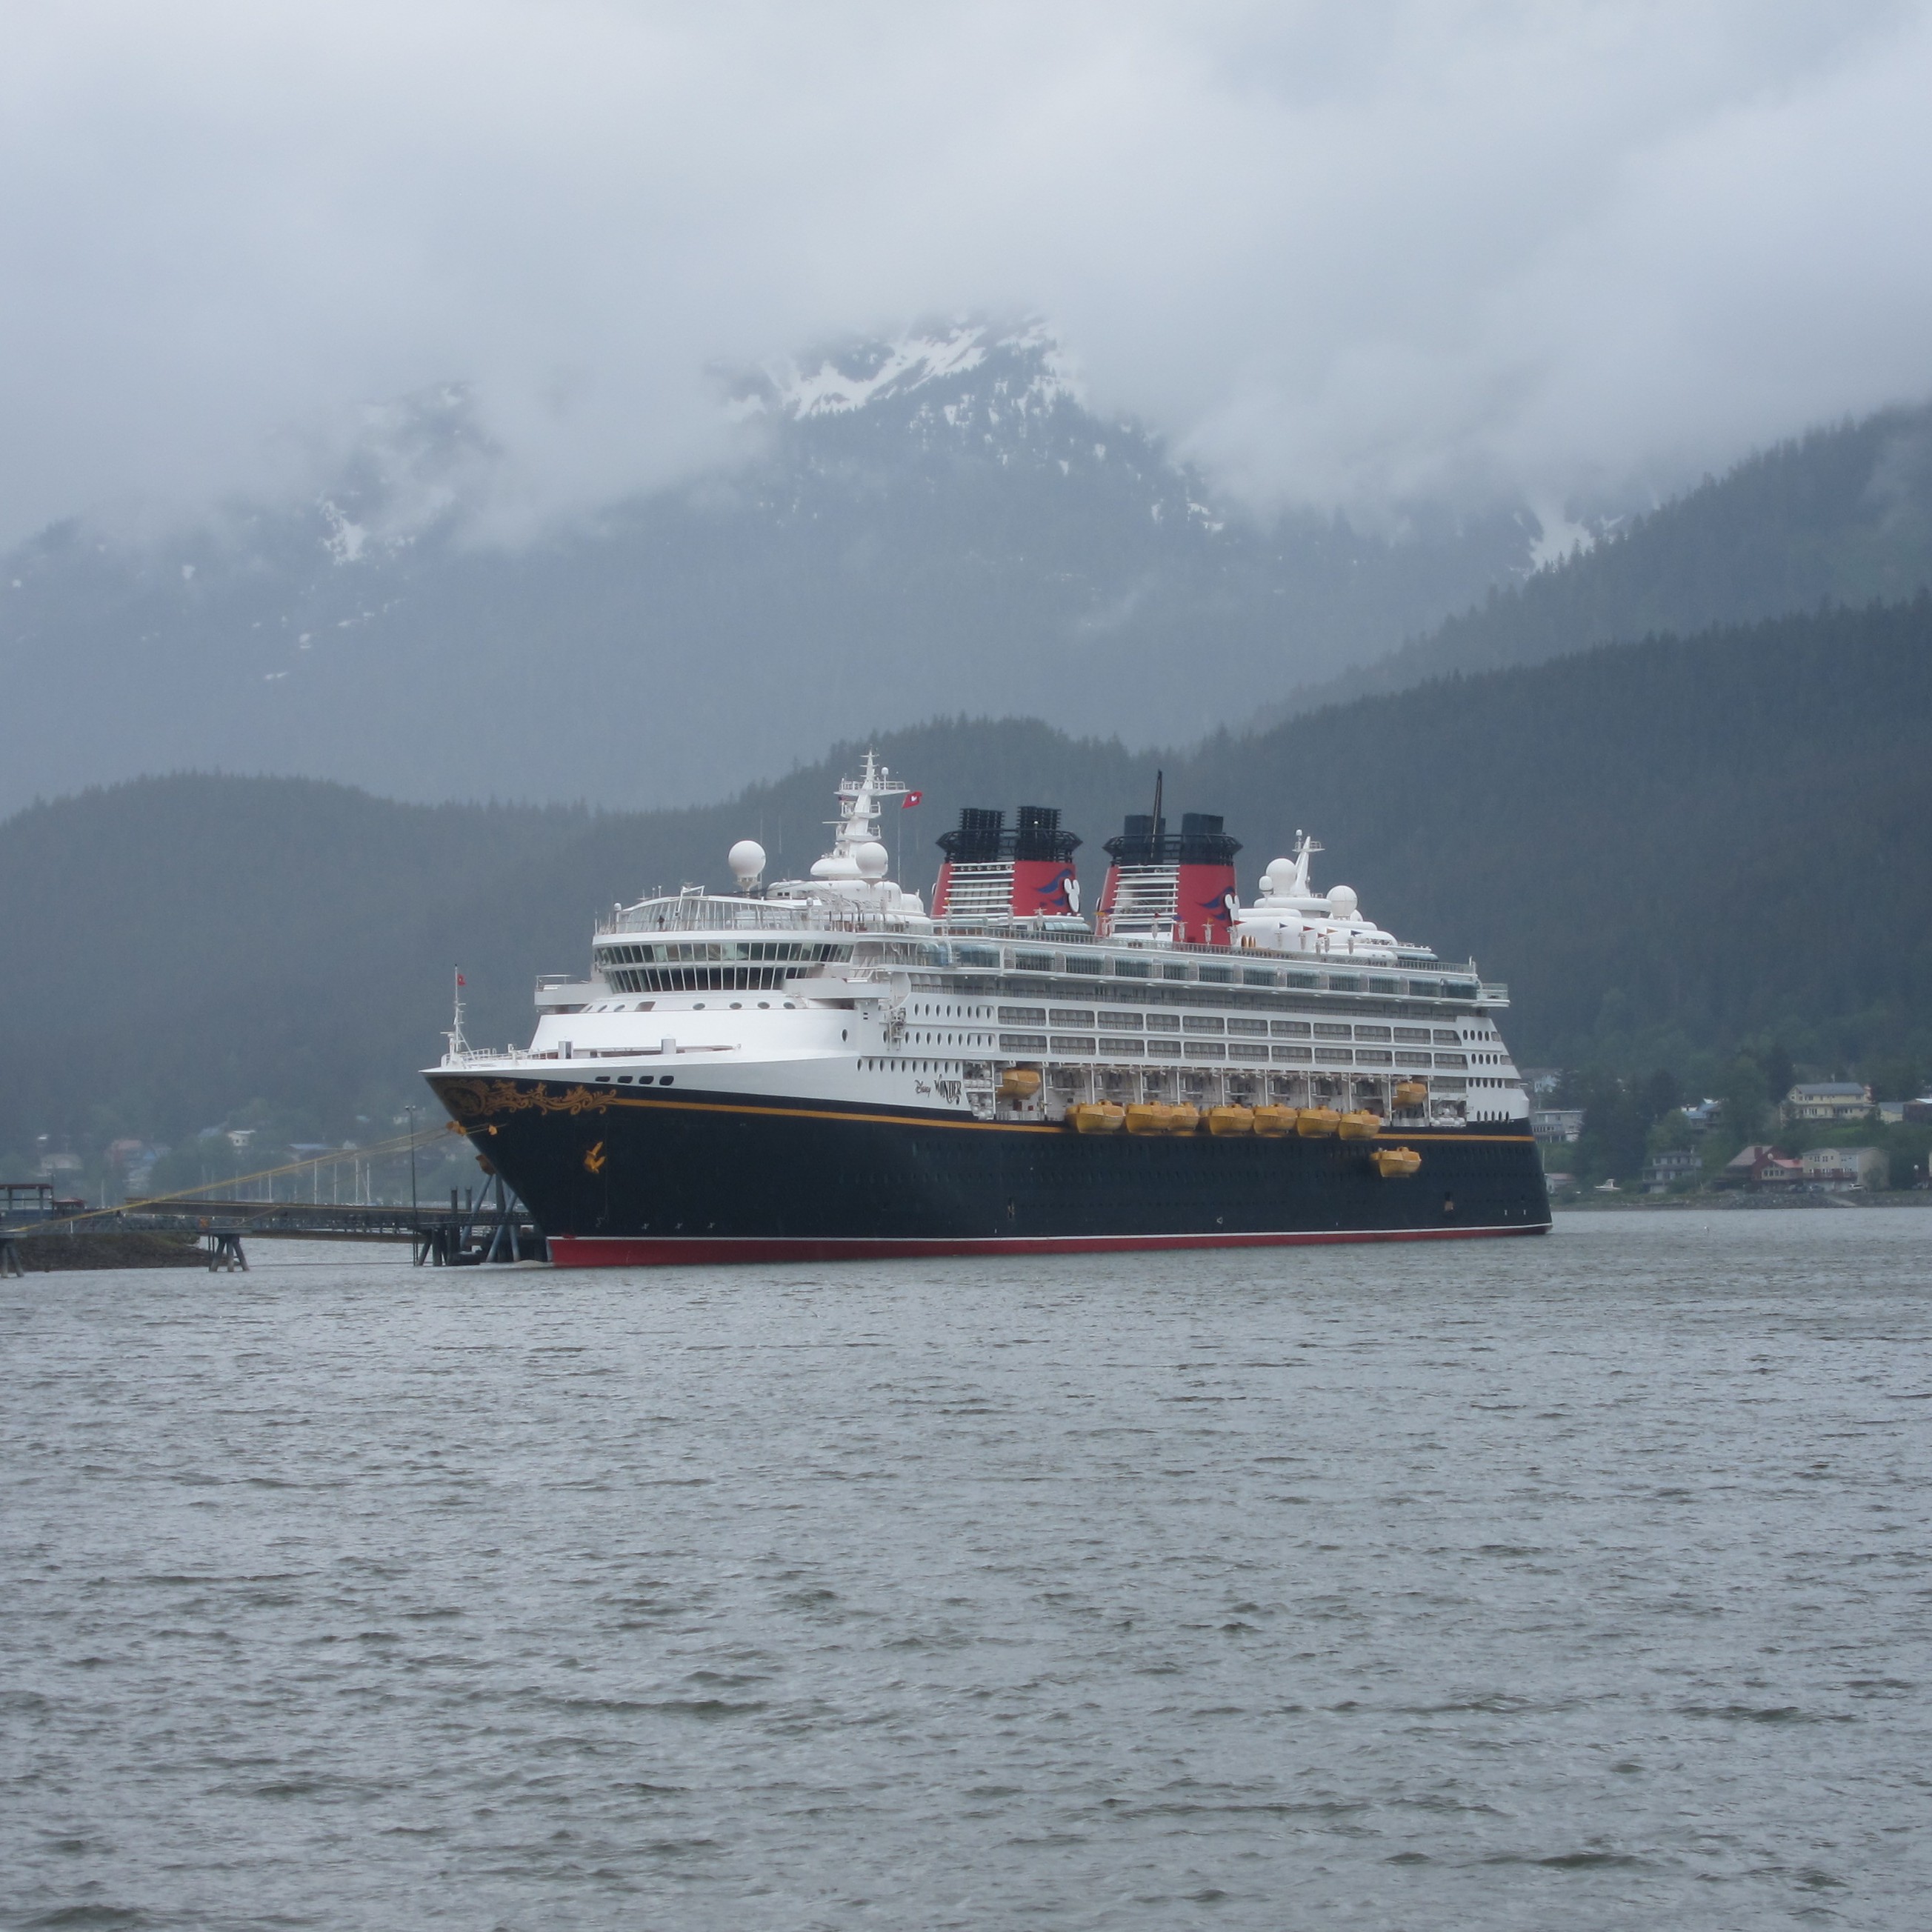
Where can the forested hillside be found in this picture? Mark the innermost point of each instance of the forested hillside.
(1667, 848)
(1840, 516)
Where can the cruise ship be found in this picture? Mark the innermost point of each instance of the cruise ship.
(822, 1069)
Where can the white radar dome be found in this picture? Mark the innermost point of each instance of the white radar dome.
(1342, 902)
(746, 858)
(872, 859)
(1278, 877)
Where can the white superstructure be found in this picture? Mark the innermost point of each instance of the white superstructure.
(841, 986)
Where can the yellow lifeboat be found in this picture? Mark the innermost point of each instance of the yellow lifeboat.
(1019, 1083)
(1096, 1117)
(1316, 1123)
(1273, 1122)
(1147, 1116)
(1395, 1163)
(1410, 1095)
(1234, 1120)
(1183, 1119)
(1359, 1125)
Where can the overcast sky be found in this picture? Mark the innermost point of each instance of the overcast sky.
(1342, 253)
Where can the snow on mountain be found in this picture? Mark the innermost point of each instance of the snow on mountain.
(1028, 368)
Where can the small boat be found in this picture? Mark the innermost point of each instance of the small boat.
(1395, 1163)
(1316, 1124)
(1231, 1119)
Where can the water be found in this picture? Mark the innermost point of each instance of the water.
(1580, 1582)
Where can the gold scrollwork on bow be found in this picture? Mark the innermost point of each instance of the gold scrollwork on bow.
(469, 1099)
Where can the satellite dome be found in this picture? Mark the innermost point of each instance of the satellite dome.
(872, 859)
(1341, 902)
(746, 859)
(1278, 877)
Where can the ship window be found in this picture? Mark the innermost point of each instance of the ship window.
(1163, 1022)
(1412, 1033)
(1256, 975)
(1298, 979)
(1221, 975)
(1447, 1036)
(603, 1076)
(1133, 969)
(1085, 962)
(1203, 1023)
(1384, 985)
(623, 1079)
(1338, 984)
(1071, 1016)
(1023, 1016)
(1330, 1030)
(1173, 970)
(667, 1079)
(1372, 1033)
(1295, 1029)
(645, 1079)
(1248, 1026)
(1033, 962)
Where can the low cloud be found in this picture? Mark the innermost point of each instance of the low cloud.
(1344, 256)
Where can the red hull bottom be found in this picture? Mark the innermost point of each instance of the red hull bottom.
(587, 1251)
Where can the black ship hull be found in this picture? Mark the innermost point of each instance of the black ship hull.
(622, 1180)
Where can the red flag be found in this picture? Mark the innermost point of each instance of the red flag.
(461, 980)
(911, 798)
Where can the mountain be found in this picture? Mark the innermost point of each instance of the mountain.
(934, 523)
(1667, 848)
(1840, 516)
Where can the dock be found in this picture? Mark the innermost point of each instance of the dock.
(473, 1230)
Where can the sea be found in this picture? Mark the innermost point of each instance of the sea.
(1583, 1582)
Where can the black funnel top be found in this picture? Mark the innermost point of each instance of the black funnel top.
(1201, 842)
(984, 836)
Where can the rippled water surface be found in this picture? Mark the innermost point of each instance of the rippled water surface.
(1575, 1583)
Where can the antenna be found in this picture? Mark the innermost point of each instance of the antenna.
(1159, 776)
(458, 1044)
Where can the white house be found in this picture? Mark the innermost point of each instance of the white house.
(1833, 1169)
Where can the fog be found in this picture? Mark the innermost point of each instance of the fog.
(1344, 256)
